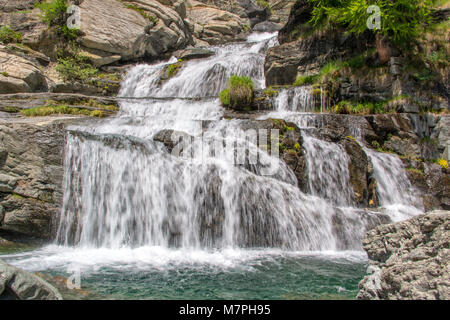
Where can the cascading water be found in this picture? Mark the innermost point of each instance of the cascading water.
(131, 207)
(328, 174)
(123, 189)
(328, 163)
(394, 189)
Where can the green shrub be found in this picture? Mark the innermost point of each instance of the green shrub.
(7, 35)
(75, 68)
(304, 80)
(4, 73)
(53, 12)
(239, 94)
(401, 20)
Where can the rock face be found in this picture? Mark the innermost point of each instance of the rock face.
(16, 284)
(126, 32)
(19, 74)
(213, 26)
(409, 260)
(31, 175)
(23, 17)
(306, 56)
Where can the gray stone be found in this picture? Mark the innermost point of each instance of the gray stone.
(267, 26)
(31, 174)
(194, 53)
(19, 74)
(410, 259)
(18, 284)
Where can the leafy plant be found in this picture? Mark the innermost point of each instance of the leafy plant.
(53, 12)
(75, 67)
(7, 35)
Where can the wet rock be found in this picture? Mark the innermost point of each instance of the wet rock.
(363, 218)
(358, 169)
(17, 284)
(31, 175)
(193, 53)
(267, 26)
(171, 139)
(409, 259)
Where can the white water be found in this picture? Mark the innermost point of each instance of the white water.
(328, 162)
(129, 202)
(394, 189)
(328, 173)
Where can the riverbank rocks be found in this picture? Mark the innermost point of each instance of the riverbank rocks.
(18, 74)
(17, 284)
(409, 260)
(31, 174)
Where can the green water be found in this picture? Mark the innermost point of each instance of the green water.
(242, 276)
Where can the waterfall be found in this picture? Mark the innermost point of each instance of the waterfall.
(393, 186)
(328, 163)
(122, 188)
(328, 174)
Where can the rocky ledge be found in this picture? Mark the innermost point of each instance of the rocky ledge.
(409, 260)
(17, 284)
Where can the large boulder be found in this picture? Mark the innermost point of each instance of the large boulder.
(409, 260)
(31, 175)
(18, 74)
(213, 26)
(131, 29)
(17, 284)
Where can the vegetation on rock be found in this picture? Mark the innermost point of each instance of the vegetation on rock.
(73, 66)
(7, 35)
(53, 12)
(173, 69)
(48, 110)
(239, 94)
